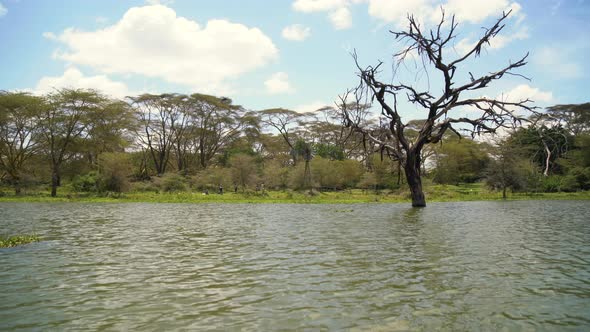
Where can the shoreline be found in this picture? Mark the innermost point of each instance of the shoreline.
(278, 197)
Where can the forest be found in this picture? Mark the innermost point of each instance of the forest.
(174, 142)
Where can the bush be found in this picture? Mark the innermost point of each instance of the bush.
(115, 168)
(173, 182)
(86, 183)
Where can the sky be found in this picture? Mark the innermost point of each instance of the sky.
(293, 54)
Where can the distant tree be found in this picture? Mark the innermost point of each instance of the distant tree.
(543, 145)
(114, 171)
(111, 129)
(18, 130)
(441, 115)
(459, 160)
(305, 151)
(275, 175)
(244, 170)
(283, 121)
(65, 121)
(509, 169)
(575, 118)
(158, 117)
(216, 122)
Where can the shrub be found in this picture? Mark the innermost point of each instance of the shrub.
(86, 183)
(115, 168)
(173, 182)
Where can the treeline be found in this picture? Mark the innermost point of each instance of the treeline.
(200, 142)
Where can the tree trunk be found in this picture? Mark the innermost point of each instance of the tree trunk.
(54, 181)
(307, 177)
(17, 187)
(412, 169)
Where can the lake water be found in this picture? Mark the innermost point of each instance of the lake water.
(381, 267)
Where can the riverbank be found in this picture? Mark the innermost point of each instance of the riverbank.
(435, 193)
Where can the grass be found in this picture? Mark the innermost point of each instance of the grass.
(434, 193)
(18, 240)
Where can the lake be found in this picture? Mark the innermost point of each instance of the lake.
(381, 267)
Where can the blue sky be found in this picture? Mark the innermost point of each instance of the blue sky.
(282, 53)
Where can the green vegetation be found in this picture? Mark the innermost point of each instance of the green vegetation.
(18, 240)
(435, 193)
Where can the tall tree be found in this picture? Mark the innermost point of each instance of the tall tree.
(216, 123)
(284, 121)
(575, 118)
(442, 111)
(65, 120)
(18, 128)
(158, 116)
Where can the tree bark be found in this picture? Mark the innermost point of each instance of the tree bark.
(54, 181)
(17, 187)
(414, 179)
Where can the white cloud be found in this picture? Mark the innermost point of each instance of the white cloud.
(524, 91)
(311, 107)
(73, 78)
(296, 32)
(278, 83)
(3, 10)
(49, 35)
(309, 6)
(475, 11)
(101, 20)
(499, 41)
(152, 41)
(339, 12)
(341, 18)
(472, 11)
(397, 10)
(554, 61)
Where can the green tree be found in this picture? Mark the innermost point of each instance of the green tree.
(508, 169)
(459, 160)
(66, 120)
(114, 169)
(18, 130)
(244, 170)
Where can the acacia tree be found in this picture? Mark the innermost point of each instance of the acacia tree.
(158, 116)
(442, 111)
(67, 119)
(283, 121)
(18, 128)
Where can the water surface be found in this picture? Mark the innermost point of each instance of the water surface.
(155, 267)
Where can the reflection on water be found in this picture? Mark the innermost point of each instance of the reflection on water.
(450, 266)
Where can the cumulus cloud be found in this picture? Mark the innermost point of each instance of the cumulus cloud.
(73, 78)
(472, 11)
(152, 41)
(396, 11)
(524, 91)
(296, 32)
(499, 41)
(310, 6)
(339, 12)
(278, 83)
(555, 61)
(3, 10)
(341, 19)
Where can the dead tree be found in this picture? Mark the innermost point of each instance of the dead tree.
(441, 111)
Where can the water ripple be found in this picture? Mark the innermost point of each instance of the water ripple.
(153, 267)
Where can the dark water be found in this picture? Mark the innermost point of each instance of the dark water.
(383, 267)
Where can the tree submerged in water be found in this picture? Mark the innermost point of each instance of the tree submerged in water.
(402, 142)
